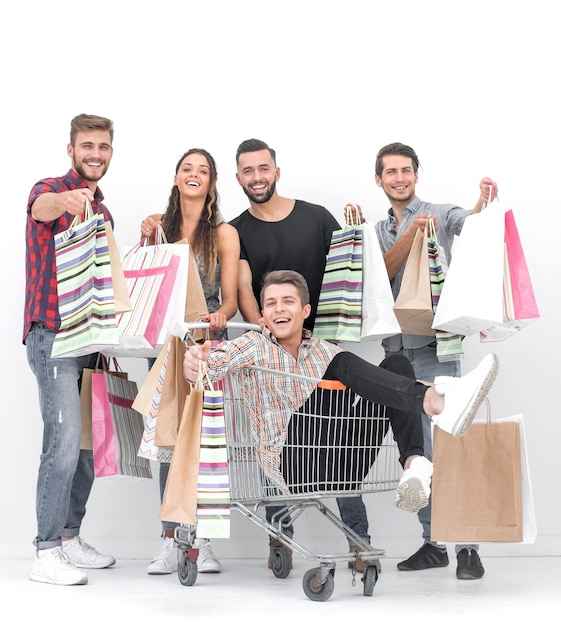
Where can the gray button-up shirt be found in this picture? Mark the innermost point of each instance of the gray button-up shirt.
(450, 219)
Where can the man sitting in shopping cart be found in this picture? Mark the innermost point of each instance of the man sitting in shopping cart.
(285, 346)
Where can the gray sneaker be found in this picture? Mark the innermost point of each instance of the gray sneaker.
(52, 566)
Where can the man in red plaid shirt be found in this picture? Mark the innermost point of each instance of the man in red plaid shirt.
(66, 473)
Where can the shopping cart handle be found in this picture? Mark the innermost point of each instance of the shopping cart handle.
(183, 329)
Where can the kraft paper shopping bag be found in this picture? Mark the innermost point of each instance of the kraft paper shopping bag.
(477, 484)
(120, 290)
(413, 305)
(179, 503)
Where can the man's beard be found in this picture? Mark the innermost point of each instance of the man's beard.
(261, 199)
(88, 177)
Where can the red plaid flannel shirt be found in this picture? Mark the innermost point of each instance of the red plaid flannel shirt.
(41, 300)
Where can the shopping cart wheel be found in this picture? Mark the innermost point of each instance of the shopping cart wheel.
(318, 587)
(369, 579)
(186, 569)
(281, 561)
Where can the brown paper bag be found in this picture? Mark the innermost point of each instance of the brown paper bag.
(476, 485)
(143, 401)
(175, 390)
(413, 305)
(120, 289)
(196, 307)
(179, 503)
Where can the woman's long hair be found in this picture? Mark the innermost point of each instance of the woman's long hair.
(205, 237)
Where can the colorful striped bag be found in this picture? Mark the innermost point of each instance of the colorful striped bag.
(213, 487)
(116, 427)
(85, 288)
(339, 311)
(150, 273)
(154, 386)
(448, 345)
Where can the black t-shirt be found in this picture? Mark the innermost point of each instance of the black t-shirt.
(299, 242)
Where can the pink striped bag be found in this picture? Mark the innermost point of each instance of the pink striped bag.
(116, 427)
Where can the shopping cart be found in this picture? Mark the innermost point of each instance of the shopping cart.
(337, 445)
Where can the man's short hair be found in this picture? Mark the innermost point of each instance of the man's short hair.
(284, 277)
(84, 122)
(254, 145)
(396, 148)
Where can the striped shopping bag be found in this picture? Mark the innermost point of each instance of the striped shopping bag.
(86, 301)
(339, 310)
(116, 427)
(213, 488)
(155, 384)
(150, 274)
(448, 345)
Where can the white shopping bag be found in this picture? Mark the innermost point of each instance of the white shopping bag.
(472, 294)
(529, 523)
(142, 267)
(378, 317)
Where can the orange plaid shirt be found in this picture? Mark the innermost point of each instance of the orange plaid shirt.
(272, 397)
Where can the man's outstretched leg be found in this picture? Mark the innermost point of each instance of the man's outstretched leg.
(452, 403)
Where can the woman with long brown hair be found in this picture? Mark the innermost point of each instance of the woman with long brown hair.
(193, 216)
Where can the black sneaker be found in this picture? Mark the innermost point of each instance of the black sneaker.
(469, 565)
(426, 557)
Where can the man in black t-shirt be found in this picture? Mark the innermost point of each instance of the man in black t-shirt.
(278, 233)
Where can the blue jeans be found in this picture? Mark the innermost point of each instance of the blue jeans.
(427, 367)
(66, 473)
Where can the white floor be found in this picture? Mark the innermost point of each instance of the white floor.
(525, 588)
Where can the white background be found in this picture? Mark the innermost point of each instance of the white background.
(472, 86)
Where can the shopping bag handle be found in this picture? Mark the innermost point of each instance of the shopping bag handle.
(203, 378)
(350, 216)
(159, 239)
(431, 229)
(85, 215)
(495, 199)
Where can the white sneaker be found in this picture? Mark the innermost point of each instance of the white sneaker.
(165, 561)
(52, 566)
(82, 554)
(413, 490)
(207, 563)
(463, 396)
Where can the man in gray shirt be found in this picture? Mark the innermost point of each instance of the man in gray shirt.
(397, 174)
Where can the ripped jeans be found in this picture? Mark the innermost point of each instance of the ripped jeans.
(66, 473)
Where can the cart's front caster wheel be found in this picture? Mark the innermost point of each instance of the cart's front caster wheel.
(314, 588)
(186, 569)
(281, 561)
(369, 579)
